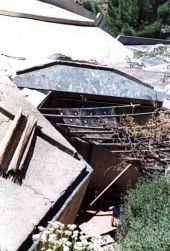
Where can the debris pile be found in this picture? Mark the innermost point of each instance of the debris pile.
(146, 146)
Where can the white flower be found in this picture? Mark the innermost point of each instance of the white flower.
(56, 244)
(46, 232)
(52, 238)
(67, 232)
(52, 229)
(71, 227)
(84, 242)
(78, 245)
(65, 248)
(56, 224)
(64, 240)
(75, 234)
(36, 237)
(68, 243)
(44, 237)
(41, 229)
(60, 232)
(83, 237)
(95, 247)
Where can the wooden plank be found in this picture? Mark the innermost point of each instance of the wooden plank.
(80, 126)
(5, 145)
(94, 132)
(70, 5)
(110, 184)
(19, 152)
(46, 18)
(89, 108)
(21, 165)
(80, 116)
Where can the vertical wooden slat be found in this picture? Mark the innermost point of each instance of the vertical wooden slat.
(6, 142)
(22, 145)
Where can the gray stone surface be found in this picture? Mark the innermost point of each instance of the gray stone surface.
(20, 209)
(50, 173)
(4, 124)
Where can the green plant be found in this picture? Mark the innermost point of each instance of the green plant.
(138, 17)
(146, 216)
(89, 5)
(160, 51)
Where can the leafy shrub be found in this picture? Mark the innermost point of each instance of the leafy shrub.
(87, 5)
(146, 216)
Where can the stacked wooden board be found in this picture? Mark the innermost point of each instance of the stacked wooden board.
(16, 143)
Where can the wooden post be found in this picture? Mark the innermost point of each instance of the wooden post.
(22, 145)
(6, 142)
(111, 183)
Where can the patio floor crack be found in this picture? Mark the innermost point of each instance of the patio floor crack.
(36, 192)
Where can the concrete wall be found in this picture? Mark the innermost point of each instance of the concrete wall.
(69, 209)
(70, 212)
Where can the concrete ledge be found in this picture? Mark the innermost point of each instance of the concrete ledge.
(71, 6)
(53, 179)
(130, 40)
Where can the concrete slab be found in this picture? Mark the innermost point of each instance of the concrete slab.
(72, 6)
(100, 223)
(49, 175)
(35, 97)
(34, 7)
(5, 121)
(50, 172)
(80, 43)
(20, 209)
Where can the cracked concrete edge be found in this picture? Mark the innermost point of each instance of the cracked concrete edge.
(4, 121)
(40, 194)
(20, 217)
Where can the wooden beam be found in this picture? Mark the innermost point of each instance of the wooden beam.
(70, 5)
(22, 145)
(6, 142)
(110, 184)
(80, 116)
(16, 142)
(46, 18)
(21, 165)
